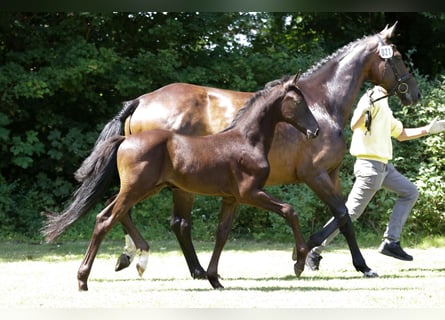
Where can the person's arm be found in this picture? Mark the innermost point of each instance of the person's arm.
(413, 133)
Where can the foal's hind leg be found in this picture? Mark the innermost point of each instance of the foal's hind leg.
(104, 222)
(181, 224)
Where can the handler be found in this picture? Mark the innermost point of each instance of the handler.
(373, 126)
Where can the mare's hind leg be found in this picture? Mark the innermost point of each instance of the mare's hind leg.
(226, 215)
(181, 224)
(130, 249)
(141, 246)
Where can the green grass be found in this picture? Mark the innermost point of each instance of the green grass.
(69, 250)
(255, 275)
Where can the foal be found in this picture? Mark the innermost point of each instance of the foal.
(232, 164)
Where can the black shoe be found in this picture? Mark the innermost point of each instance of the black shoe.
(393, 249)
(313, 260)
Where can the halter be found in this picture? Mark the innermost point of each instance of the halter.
(386, 52)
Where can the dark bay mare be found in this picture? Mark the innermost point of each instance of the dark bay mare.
(330, 89)
(232, 164)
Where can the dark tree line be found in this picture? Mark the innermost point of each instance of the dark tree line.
(63, 75)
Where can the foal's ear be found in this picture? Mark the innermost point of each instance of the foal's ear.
(296, 78)
(387, 33)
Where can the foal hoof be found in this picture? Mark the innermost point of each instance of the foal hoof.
(82, 286)
(297, 270)
(122, 262)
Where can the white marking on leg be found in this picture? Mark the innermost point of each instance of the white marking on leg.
(141, 265)
(130, 247)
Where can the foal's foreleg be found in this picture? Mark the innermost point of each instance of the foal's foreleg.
(261, 199)
(226, 215)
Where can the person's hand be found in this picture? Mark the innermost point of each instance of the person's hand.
(436, 126)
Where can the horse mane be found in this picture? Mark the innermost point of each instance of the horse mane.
(340, 52)
(258, 95)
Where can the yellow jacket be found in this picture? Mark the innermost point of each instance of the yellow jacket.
(376, 144)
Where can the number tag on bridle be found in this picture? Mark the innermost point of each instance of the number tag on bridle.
(386, 52)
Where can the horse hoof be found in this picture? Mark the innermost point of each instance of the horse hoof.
(216, 284)
(140, 269)
(298, 271)
(83, 286)
(122, 262)
(370, 274)
(199, 274)
(141, 266)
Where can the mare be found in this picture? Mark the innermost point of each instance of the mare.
(330, 88)
(232, 164)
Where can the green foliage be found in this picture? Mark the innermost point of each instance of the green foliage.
(64, 75)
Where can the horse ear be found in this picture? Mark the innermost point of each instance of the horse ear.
(387, 33)
(296, 78)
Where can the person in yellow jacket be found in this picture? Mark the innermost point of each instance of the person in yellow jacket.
(373, 126)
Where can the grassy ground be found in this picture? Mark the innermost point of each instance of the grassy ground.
(255, 275)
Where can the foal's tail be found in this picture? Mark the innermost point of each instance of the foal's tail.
(112, 128)
(101, 166)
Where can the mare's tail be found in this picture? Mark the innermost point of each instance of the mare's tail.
(113, 128)
(101, 166)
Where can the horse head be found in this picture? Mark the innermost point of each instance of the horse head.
(390, 71)
(295, 110)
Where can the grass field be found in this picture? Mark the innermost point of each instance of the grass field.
(254, 276)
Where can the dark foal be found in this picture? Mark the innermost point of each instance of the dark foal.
(232, 164)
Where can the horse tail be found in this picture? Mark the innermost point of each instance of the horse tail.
(102, 168)
(114, 127)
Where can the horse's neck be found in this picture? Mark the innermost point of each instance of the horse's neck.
(258, 125)
(338, 90)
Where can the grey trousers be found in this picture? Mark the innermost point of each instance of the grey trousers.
(372, 176)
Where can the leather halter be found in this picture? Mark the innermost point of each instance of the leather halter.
(400, 86)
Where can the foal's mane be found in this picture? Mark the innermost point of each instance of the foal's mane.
(339, 53)
(257, 96)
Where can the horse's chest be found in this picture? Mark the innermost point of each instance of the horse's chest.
(332, 148)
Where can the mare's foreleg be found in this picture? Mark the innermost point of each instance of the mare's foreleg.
(226, 215)
(181, 224)
(328, 190)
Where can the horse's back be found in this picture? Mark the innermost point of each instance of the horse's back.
(187, 109)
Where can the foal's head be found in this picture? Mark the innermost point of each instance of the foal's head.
(389, 71)
(295, 111)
